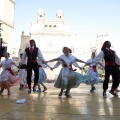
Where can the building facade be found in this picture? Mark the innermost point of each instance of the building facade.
(7, 19)
(51, 35)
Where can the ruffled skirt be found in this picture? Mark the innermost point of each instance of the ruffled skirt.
(7, 80)
(42, 75)
(72, 81)
(22, 73)
(92, 78)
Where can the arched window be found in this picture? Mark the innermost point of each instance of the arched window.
(46, 27)
(55, 27)
(50, 27)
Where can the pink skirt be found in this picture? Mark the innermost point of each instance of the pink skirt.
(12, 81)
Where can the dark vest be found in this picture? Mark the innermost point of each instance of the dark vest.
(33, 55)
(109, 56)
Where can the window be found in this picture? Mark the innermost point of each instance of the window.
(55, 27)
(46, 27)
(50, 27)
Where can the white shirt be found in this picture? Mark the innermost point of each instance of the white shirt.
(40, 56)
(68, 60)
(101, 56)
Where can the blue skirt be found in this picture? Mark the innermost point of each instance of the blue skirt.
(70, 82)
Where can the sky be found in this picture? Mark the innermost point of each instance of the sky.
(87, 18)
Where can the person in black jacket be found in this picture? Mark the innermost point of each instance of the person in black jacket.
(111, 67)
(32, 53)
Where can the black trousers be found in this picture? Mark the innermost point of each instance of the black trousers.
(32, 66)
(114, 71)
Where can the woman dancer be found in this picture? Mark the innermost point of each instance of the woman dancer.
(7, 78)
(42, 76)
(67, 78)
(92, 73)
(22, 74)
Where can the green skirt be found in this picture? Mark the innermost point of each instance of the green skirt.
(70, 82)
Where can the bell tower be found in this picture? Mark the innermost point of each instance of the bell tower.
(60, 16)
(41, 15)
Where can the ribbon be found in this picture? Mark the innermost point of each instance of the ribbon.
(10, 70)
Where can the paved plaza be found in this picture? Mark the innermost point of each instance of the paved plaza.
(47, 106)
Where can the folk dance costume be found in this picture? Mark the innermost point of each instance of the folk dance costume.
(67, 77)
(7, 78)
(42, 76)
(22, 74)
(32, 53)
(111, 67)
(92, 74)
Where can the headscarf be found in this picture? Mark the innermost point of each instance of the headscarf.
(70, 51)
(104, 45)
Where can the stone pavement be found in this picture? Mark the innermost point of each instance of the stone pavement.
(47, 106)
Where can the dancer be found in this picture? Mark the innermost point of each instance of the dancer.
(67, 78)
(111, 67)
(22, 74)
(32, 53)
(7, 78)
(92, 72)
(42, 76)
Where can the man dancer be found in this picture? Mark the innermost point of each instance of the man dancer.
(32, 53)
(111, 67)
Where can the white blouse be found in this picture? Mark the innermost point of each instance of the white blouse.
(7, 63)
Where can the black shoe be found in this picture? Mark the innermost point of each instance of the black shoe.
(34, 89)
(44, 89)
(60, 95)
(92, 90)
(112, 92)
(29, 91)
(67, 95)
(104, 94)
